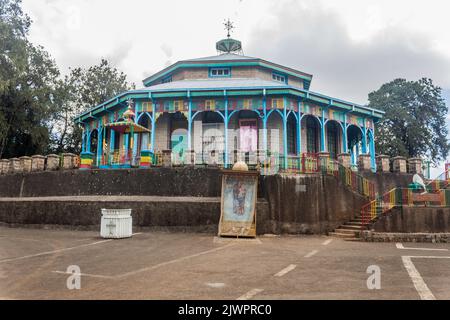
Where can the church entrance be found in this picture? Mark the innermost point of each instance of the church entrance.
(248, 135)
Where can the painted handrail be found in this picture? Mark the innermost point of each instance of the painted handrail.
(399, 197)
(440, 182)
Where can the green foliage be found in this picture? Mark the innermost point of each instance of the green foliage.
(415, 121)
(81, 90)
(27, 78)
(37, 106)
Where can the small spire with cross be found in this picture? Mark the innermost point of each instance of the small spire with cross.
(228, 26)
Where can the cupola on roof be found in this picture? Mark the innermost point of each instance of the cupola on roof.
(229, 45)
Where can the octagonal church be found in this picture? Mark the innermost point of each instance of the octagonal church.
(225, 108)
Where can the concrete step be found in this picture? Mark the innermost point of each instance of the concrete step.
(351, 227)
(347, 231)
(353, 223)
(345, 236)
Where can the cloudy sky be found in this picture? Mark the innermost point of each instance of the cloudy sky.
(350, 46)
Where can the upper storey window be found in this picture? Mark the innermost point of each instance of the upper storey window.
(219, 72)
(279, 77)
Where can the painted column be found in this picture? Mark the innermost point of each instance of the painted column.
(322, 132)
(225, 122)
(84, 140)
(299, 129)
(344, 135)
(99, 145)
(364, 138)
(88, 146)
(265, 123)
(125, 147)
(189, 122)
(112, 141)
(372, 150)
(285, 134)
(152, 149)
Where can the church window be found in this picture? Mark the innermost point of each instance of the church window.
(279, 77)
(219, 72)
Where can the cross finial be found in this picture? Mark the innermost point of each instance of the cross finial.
(130, 103)
(228, 26)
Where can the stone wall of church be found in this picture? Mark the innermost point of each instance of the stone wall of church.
(236, 72)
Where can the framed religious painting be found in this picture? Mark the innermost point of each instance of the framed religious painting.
(238, 204)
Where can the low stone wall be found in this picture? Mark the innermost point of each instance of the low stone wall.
(185, 181)
(371, 236)
(309, 204)
(189, 214)
(414, 220)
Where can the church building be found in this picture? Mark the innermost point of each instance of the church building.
(224, 107)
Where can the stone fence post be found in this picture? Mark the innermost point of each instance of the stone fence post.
(364, 162)
(52, 162)
(415, 165)
(5, 166)
(399, 164)
(14, 165)
(25, 163)
(344, 159)
(383, 164)
(37, 163)
(68, 161)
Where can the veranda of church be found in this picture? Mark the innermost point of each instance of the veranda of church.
(223, 109)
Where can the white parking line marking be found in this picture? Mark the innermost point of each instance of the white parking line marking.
(174, 261)
(428, 257)
(327, 242)
(54, 251)
(156, 266)
(400, 246)
(420, 285)
(285, 270)
(250, 294)
(309, 255)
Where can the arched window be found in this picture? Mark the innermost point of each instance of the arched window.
(312, 128)
(332, 139)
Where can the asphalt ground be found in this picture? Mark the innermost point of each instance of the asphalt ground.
(36, 264)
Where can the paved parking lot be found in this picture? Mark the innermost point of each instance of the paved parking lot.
(159, 265)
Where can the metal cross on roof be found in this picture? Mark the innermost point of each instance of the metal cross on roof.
(130, 103)
(228, 26)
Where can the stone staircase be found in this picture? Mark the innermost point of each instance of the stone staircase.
(349, 230)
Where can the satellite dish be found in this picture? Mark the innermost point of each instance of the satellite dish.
(418, 180)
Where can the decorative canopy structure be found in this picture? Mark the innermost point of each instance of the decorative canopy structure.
(127, 127)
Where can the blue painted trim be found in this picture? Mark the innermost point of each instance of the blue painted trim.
(285, 147)
(226, 121)
(299, 129)
(302, 91)
(189, 122)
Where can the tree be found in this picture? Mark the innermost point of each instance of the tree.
(81, 90)
(415, 121)
(27, 81)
